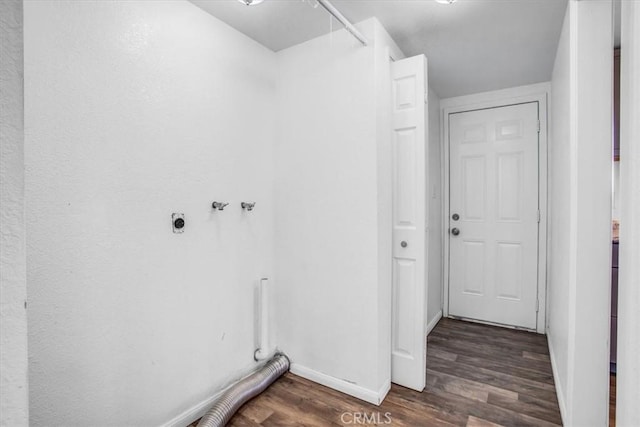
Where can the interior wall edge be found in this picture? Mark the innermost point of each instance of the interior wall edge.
(589, 314)
(556, 380)
(14, 386)
(558, 210)
(435, 220)
(433, 322)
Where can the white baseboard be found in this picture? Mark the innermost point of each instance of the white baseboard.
(371, 396)
(384, 390)
(556, 381)
(433, 322)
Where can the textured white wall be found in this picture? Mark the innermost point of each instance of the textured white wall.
(13, 293)
(333, 308)
(628, 363)
(434, 202)
(135, 110)
(580, 291)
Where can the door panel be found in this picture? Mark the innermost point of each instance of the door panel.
(494, 190)
(509, 270)
(474, 255)
(405, 183)
(409, 140)
(509, 186)
(405, 278)
(473, 169)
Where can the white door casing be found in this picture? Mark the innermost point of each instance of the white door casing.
(409, 141)
(493, 187)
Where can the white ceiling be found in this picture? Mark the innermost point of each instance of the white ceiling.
(472, 45)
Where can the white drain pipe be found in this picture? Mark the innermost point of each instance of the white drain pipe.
(264, 350)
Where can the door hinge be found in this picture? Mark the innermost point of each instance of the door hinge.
(538, 216)
(538, 126)
(537, 305)
(426, 98)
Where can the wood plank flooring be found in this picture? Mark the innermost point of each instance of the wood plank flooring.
(612, 400)
(477, 376)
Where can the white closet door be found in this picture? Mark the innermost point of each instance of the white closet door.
(410, 130)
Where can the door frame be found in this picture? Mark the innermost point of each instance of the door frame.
(518, 95)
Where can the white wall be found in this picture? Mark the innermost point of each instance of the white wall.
(580, 255)
(13, 316)
(434, 223)
(628, 363)
(333, 299)
(135, 110)
(589, 378)
(559, 214)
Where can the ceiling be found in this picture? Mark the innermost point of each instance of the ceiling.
(617, 22)
(472, 45)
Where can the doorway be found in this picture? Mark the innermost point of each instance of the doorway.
(495, 205)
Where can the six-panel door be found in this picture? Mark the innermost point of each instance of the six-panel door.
(494, 193)
(409, 142)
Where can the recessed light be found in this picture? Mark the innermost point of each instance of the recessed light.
(250, 2)
(440, 1)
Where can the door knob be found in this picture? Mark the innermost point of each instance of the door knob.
(404, 244)
(455, 231)
(455, 217)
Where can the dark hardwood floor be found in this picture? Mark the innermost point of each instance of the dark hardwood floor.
(477, 375)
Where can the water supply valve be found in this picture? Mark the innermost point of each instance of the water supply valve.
(248, 206)
(219, 205)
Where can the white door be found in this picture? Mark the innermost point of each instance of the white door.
(409, 111)
(493, 217)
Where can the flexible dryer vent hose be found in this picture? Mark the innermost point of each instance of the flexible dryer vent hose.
(231, 400)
